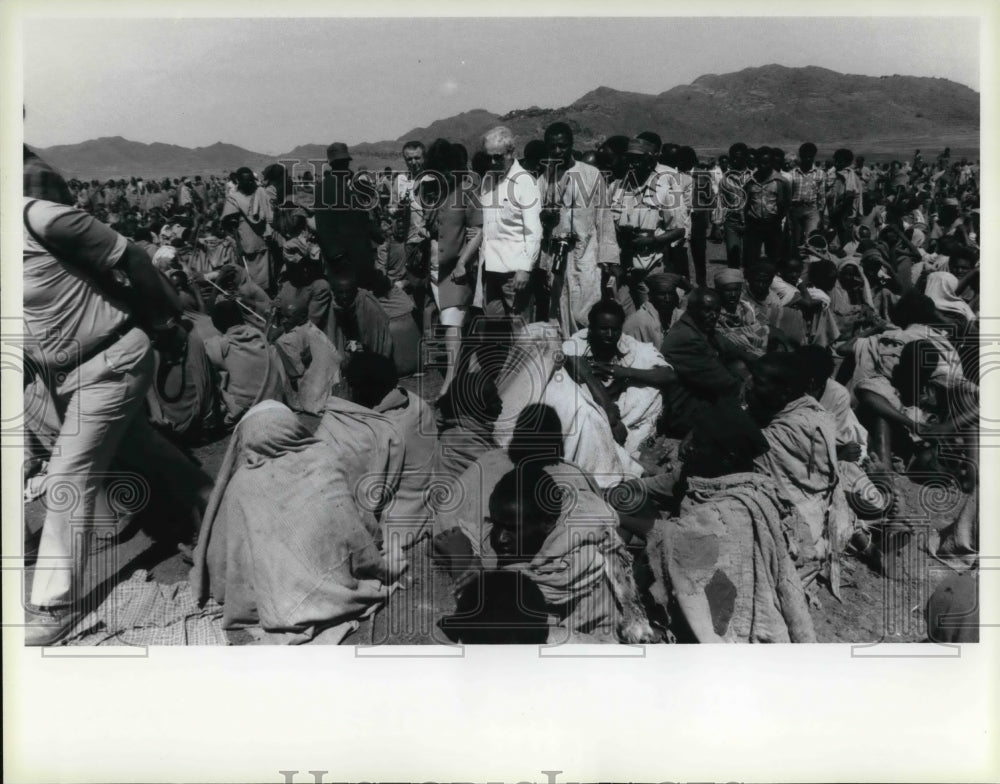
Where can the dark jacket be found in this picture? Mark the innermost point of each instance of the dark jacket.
(702, 377)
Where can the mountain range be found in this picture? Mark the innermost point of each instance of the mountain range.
(771, 104)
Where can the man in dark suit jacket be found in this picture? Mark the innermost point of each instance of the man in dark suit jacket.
(344, 227)
(691, 348)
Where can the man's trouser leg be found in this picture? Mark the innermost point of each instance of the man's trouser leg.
(505, 311)
(395, 261)
(845, 230)
(678, 260)
(733, 235)
(803, 221)
(100, 403)
(417, 285)
(774, 241)
(753, 238)
(699, 245)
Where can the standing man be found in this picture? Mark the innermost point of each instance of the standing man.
(844, 196)
(512, 239)
(403, 251)
(768, 197)
(732, 202)
(808, 197)
(344, 228)
(648, 215)
(578, 232)
(247, 212)
(96, 365)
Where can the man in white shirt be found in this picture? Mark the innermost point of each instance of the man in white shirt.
(512, 237)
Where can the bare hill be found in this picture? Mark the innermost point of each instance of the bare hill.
(771, 104)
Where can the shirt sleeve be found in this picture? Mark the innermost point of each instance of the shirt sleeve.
(473, 210)
(531, 215)
(79, 238)
(670, 197)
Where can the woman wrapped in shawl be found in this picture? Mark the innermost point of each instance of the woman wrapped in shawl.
(802, 461)
(851, 303)
(530, 510)
(881, 279)
(284, 542)
(726, 561)
(942, 288)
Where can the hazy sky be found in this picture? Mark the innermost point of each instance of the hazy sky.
(271, 84)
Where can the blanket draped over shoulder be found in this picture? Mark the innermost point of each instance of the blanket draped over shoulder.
(312, 367)
(582, 568)
(727, 560)
(533, 374)
(802, 461)
(286, 542)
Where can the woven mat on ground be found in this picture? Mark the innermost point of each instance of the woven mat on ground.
(142, 612)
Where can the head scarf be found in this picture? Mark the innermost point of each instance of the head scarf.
(728, 276)
(164, 258)
(839, 301)
(941, 288)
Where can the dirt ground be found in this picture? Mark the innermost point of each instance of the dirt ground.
(885, 606)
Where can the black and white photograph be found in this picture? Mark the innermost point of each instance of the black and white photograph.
(394, 338)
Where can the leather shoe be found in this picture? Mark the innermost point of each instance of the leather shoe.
(48, 625)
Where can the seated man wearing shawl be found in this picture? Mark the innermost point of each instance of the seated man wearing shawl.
(247, 211)
(248, 367)
(360, 323)
(284, 542)
(235, 282)
(926, 407)
(182, 399)
(802, 460)
(725, 559)
(691, 348)
(310, 362)
(513, 515)
(302, 288)
(875, 358)
(399, 308)
(623, 375)
(466, 416)
(373, 384)
(791, 289)
(867, 499)
(740, 332)
(650, 322)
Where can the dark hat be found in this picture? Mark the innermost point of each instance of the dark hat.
(640, 146)
(338, 152)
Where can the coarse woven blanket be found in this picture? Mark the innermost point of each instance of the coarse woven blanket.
(728, 562)
(291, 536)
(141, 612)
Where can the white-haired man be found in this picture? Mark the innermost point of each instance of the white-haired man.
(512, 237)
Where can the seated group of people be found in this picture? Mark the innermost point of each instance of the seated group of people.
(245, 346)
(540, 493)
(788, 390)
